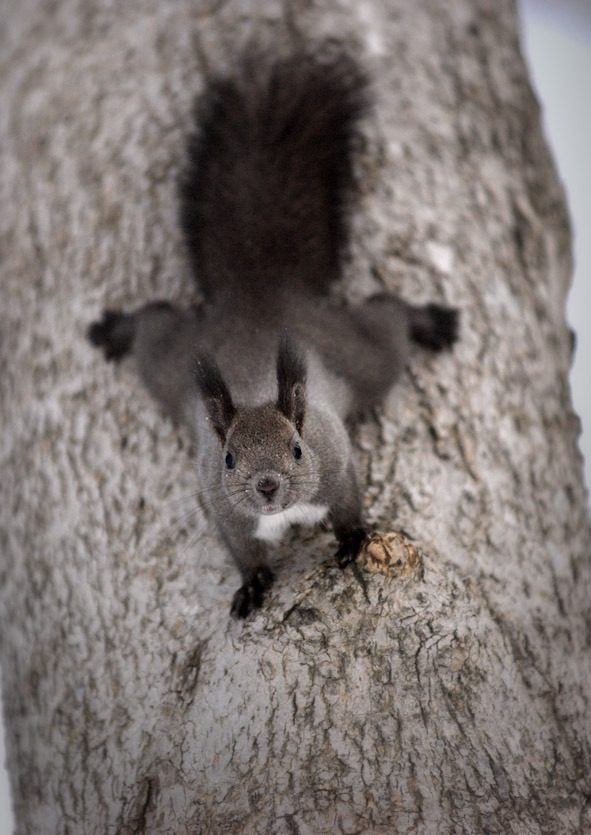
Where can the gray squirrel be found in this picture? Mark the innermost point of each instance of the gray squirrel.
(268, 368)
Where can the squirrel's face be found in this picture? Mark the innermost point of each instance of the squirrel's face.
(266, 465)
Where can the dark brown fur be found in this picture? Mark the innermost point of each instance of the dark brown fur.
(265, 191)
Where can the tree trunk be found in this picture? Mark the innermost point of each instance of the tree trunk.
(453, 693)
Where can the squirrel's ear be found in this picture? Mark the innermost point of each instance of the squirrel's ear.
(291, 383)
(215, 393)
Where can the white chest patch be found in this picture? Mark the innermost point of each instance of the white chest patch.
(272, 528)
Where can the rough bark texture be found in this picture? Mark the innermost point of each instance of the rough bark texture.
(455, 695)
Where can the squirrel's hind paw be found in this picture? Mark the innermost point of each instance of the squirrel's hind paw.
(113, 334)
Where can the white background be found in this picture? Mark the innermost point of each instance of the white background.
(557, 40)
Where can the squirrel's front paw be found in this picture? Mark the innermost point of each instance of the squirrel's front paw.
(250, 595)
(350, 545)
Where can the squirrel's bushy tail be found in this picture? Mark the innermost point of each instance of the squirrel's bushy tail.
(265, 190)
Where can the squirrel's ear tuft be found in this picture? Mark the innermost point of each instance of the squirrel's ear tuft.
(215, 393)
(291, 383)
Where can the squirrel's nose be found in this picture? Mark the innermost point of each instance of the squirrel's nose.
(268, 485)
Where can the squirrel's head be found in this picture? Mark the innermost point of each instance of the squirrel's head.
(266, 464)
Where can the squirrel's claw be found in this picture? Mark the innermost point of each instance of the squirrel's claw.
(250, 595)
(350, 545)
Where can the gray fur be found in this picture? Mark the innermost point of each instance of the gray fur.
(265, 374)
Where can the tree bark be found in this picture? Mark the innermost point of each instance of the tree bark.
(450, 691)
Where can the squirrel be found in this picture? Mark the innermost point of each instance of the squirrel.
(268, 368)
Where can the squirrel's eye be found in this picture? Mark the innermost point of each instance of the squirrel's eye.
(297, 452)
(230, 462)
